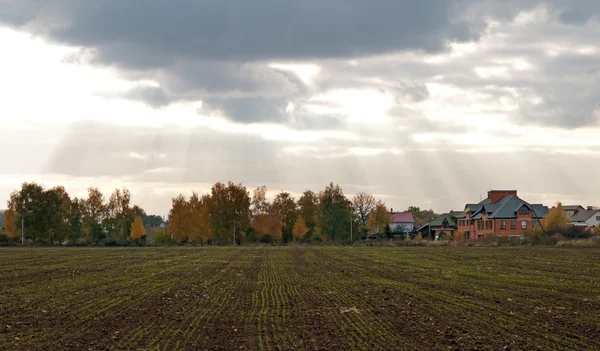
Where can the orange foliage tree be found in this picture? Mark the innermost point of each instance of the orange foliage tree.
(379, 218)
(137, 229)
(9, 224)
(300, 229)
(265, 217)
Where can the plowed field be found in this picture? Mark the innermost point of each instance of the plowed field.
(299, 298)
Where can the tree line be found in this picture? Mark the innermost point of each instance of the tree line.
(228, 213)
(50, 215)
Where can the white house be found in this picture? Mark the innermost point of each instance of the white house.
(586, 218)
(402, 220)
(572, 209)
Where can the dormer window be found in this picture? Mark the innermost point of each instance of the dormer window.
(524, 210)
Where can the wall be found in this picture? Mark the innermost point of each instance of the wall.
(408, 227)
(592, 220)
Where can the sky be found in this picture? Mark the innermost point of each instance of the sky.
(429, 103)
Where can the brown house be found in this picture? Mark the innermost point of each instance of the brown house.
(502, 213)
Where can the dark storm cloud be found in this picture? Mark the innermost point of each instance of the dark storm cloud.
(248, 30)
(218, 52)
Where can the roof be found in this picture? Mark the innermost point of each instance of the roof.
(459, 214)
(573, 208)
(439, 221)
(506, 207)
(583, 215)
(402, 217)
(473, 207)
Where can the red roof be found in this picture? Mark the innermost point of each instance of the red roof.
(402, 217)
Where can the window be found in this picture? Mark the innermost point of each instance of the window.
(536, 222)
(479, 223)
(489, 225)
(524, 210)
(598, 218)
(513, 224)
(523, 224)
(502, 224)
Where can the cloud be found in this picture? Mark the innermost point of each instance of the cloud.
(153, 96)
(242, 30)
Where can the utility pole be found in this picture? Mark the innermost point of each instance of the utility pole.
(22, 223)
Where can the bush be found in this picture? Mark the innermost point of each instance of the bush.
(267, 239)
(161, 237)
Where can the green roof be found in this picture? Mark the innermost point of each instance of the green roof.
(439, 221)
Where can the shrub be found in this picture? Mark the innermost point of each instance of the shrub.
(267, 239)
(161, 237)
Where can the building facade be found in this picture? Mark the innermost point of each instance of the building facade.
(402, 222)
(502, 213)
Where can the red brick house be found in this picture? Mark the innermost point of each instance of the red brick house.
(502, 213)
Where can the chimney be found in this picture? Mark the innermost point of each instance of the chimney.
(495, 195)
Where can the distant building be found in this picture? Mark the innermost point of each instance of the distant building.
(585, 218)
(502, 213)
(572, 209)
(402, 222)
(443, 225)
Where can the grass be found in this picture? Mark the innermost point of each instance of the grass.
(302, 298)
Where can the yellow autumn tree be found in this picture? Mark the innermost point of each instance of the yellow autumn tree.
(555, 221)
(300, 229)
(200, 218)
(379, 218)
(180, 222)
(137, 228)
(9, 224)
(266, 220)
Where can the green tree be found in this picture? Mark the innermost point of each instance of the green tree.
(161, 237)
(308, 208)
(152, 221)
(94, 214)
(229, 209)
(334, 213)
(57, 206)
(28, 204)
(117, 221)
(286, 210)
(77, 212)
